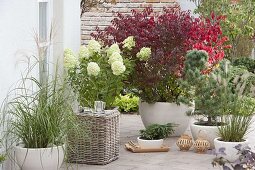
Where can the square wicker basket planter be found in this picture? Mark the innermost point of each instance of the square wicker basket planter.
(99, 143)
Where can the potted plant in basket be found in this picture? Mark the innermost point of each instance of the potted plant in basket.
(153, 136)
(155, 79)
(98, 74)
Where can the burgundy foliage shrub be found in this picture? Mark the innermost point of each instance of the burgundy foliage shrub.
(169, 35)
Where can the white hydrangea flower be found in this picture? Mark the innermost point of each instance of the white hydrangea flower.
(115, 57)
(70, 60)
(84, 52)
(93, 69)
(144, 54)
(112, 49)
(129, 42)
(94, 46)
(118, 68)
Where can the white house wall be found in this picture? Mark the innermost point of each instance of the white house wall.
(19, 20)
(187, 5)
(71, 24)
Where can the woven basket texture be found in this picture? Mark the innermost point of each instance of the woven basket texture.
(99, 141)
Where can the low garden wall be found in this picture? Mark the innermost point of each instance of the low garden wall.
(103, 15)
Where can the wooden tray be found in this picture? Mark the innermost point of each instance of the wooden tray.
(137, 149)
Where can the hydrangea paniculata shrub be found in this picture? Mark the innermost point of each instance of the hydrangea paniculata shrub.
(98, 73)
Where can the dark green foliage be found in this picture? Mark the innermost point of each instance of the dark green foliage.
(205, 86)
(246, 62)
(168, 89)
(156, 131)
(196, 61)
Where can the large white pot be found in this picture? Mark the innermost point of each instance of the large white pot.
(163, 113)
(231, 154)
(150, 143)
(208, 132)
(39, 158)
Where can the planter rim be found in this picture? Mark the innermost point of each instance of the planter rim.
(18, 146)
(193, 124)
(217, 139)
(162, 103)
(138, 138)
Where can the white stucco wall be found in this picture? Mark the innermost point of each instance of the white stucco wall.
(187, 5)
(18, 21)
(71, 24)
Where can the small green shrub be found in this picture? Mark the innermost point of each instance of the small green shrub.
(156, 131)
(127, 103)
(2, 158)
(246, 62)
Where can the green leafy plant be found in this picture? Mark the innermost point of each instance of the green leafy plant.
(127, 103)
(156, 131)
(98, 74)
(243, 81)
(239, 24)
(204, 83)
(168, 89)
(238, 119)
(42, 114)
(2, 158)
(246, 62)
(215, 85)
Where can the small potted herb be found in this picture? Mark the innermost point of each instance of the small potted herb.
(153, 136)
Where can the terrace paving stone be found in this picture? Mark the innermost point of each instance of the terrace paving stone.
(172, 160)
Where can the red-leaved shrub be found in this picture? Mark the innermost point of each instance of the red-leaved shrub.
(169, 35)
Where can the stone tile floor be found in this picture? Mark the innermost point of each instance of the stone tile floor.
(172, 160)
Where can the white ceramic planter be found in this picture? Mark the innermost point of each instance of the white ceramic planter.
(231, 154)
(163, 113)
(39, 159)
(209, 132)
(150, 143)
